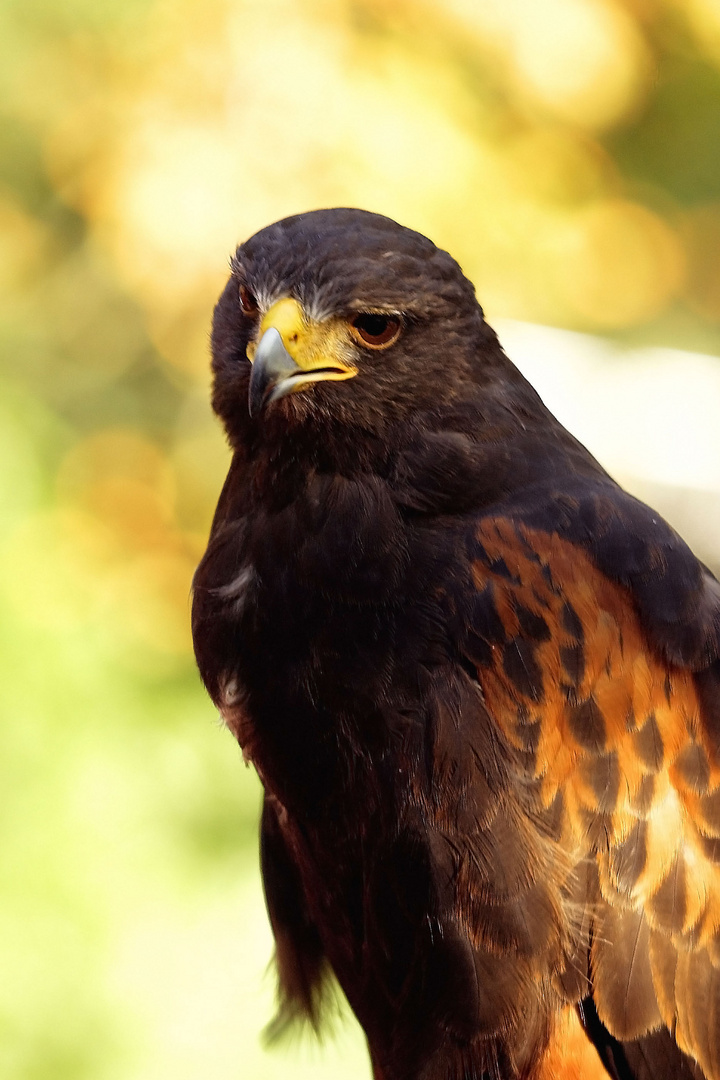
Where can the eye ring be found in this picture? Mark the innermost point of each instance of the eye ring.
(375, 329)
(248, 303)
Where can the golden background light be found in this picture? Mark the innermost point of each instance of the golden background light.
(567, 153)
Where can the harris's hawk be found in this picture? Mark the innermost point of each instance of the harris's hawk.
(479, 682)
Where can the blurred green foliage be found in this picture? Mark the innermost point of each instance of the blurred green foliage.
(138, 142)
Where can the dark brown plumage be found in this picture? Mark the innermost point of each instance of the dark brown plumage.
(479, 682)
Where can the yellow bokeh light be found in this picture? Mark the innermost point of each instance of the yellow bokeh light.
(183, 337)
(151, 595)
(124, 487)
(583, 60)
(227, 128)
(701, 233)
(126, 482)
(184, 190)
(59, 557)
(703, 17)
(178, 188)
(23, 242)
(617, 264)
(556, 164)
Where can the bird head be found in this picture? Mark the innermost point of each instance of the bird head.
(344, 317)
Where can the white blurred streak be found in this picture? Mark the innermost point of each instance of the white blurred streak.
(651, 416)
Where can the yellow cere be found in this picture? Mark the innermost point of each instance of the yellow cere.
(287, 317)
(312, 345)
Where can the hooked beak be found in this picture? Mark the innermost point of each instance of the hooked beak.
(291, 354)
(274, 372)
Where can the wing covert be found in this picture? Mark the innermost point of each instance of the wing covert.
(613, 736)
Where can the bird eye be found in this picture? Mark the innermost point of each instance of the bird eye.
(376, 330)
(248, 303)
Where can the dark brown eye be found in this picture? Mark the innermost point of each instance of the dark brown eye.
(375, 330)
(248, 303)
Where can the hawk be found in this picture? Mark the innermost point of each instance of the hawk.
(479, 682)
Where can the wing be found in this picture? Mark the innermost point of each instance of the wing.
(303, 972)
(585, 624)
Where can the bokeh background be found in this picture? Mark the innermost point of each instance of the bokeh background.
(566, 151)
